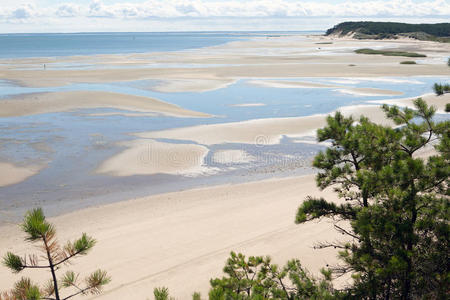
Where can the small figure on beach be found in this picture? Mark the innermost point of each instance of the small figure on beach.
(45, 66)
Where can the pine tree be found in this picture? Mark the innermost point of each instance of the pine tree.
(256, 277)
(37, 229)
(396, 211)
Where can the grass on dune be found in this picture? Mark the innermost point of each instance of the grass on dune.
(388, 53)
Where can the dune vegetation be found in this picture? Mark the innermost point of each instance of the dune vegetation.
(388, 53)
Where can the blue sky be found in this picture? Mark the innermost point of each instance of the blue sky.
(191, 15)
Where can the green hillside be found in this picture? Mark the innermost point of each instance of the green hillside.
(383, 30)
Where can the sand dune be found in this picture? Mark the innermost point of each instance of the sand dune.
(31, 104)
(181, 240)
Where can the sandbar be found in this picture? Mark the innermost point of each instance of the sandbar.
(32, 104)
(146, 157)
(12, 174)
(343, 89)
(262, 131)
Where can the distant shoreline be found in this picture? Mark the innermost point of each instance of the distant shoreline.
(46, 45)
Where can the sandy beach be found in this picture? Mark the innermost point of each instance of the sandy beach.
(181, 240)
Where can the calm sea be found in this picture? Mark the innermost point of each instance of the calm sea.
(68, 44)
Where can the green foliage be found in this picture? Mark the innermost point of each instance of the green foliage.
(96, 281)
(82, 245)
(24, 289)
(447, 107)
(375, 28)
(14, 262)
(162, 294)
(408, 62)
(38, 229)
(196, 296)
(396, 203)
(440, 89)
(35, 225)
(257, 278)
(388, 52)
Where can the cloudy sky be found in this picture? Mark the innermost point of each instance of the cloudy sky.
(205, 15)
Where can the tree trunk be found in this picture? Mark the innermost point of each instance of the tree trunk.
(52, 269)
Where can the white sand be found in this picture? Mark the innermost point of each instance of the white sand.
(285, 84)
(146, 157)
(12, 174)
(181, 240)
(31, 104)
(305, 84)
(192, 85)
(369, 92)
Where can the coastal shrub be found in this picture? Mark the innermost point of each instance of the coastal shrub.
(440, 89)
(388, 53)
(256, 277)
(53, 258)
(448, 62)
(447, 107)
(408, 62)
(396, 208)
(162, 293)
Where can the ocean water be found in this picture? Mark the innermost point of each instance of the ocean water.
(69, 44)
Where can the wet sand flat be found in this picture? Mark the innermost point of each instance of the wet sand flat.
(30, 104)
(11, 174)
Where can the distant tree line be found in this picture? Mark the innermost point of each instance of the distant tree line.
(375, 28)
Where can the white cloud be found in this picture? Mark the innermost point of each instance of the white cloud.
(235, 8)
(68, 10)
(179, 15)
(24, 12)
